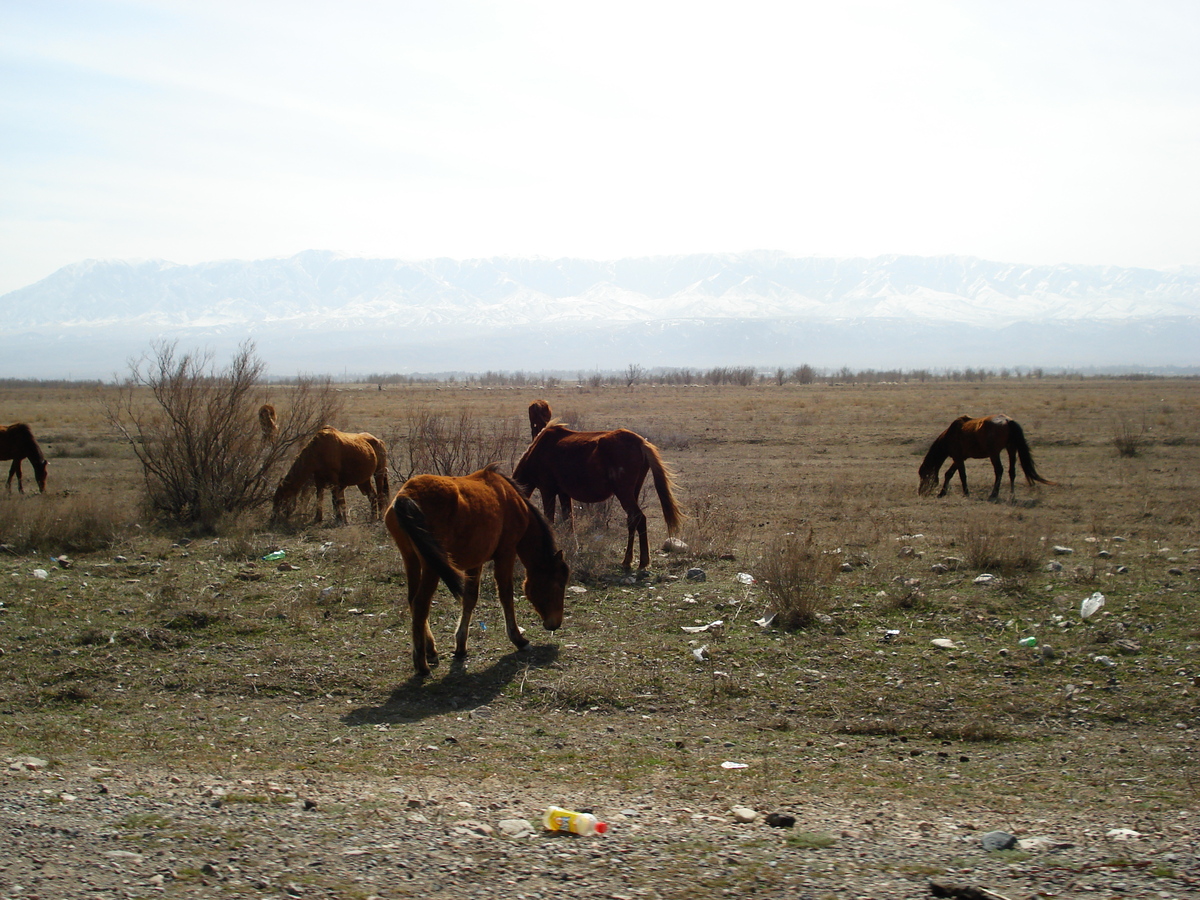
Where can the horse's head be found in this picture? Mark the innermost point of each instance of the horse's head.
(546, 588)
(929, 480)
(39, 472)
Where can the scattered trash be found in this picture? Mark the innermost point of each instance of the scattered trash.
(745, 578)
(1122, 834)
(41, 573)
(1030, 641)
(64, 561)
(1063, 551)
(891, 634)
(1104, 660)
(711, 626)
(699, 652)
(577, 589)
(1091, 605)
(943, 643)
(984, 578)
(734, 765)
(766, 621)
(558, 819)
(274, 555)
(674, 545)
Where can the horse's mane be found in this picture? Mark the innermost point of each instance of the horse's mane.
(937, 453)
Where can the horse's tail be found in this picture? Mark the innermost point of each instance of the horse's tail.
(382, 491)
(1018, 438)
(411, 521)
(664, 481)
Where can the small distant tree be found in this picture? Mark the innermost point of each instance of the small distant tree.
(195, 430)
(633, 374)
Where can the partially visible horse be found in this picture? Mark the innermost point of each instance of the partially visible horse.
(336, 460)
(982, 438)
(591, 466)
(268, 421)
(448, 528)
(17, 443)
(539, 416)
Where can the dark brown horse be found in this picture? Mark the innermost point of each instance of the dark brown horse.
(539, 416)
(336, 460)
(17, 443)
(591, 466)
(982, 438)
(448, 528)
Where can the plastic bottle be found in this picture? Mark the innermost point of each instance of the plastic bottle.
(1030, 641)
(277, 554)
(558, 819)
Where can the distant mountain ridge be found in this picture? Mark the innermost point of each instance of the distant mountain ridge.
(395, 315)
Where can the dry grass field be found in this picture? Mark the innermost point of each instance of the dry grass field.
(165, 649)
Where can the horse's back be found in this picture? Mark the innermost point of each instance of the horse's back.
(471, 515)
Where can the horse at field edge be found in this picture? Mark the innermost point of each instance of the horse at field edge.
(17, 443)
(982, 438)
(336, 460)
(268, 422)
(591, 466)
(447, 528)
(539, 417)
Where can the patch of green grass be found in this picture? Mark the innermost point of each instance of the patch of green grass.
(810, 840)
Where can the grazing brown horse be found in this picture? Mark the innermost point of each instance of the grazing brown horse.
(268, 422)
(539, 416)
(591, 466)
(336, 460)
(17, 443)
(447, 528)
(982, 438)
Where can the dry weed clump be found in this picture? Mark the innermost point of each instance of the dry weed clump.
(1128, 439)
(995, 541)
(76, 523)
(793, 572)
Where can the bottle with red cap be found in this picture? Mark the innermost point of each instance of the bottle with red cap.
(558, 819)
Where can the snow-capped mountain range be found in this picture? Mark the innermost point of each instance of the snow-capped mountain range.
(320, 312)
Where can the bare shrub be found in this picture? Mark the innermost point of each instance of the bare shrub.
(1129, 439)
(707, 530)
(197, 434)
(587, 548)
(999, 543)
(435, 443)
(793, 572)
(77, 523)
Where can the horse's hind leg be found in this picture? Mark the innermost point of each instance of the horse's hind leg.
(1012, 472)
(999, 469)
(422, 583)
(469, 599)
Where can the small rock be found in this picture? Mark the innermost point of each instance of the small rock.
(997, 840)
(1122, 570)
(696, 574)
(743, 814)
(944, 644)
(516, 828)
(1042, 845)
(1122, 834)
(1060, 550)
(939, 568)
(1054, 566)
(781, 820)
(674, 545)
(1174, 570)
(984, 578)
(28, 764)
(476, 829)
(1104, 554)
(1127, 646)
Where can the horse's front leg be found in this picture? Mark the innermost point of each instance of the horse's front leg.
(15, 469)
(469, 599)
(339, 504)
(999, 469)
(962, 477)
(504, 588)
(568, 511)
(320, 516)
(946, 482)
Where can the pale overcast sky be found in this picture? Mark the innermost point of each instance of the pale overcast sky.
(1034, 132)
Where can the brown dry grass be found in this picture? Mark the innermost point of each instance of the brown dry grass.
(307, 669)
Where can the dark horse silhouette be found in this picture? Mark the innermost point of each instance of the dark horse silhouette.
(591, 466)
(336, 460)
(981, 438)
(539, 416)
(447, 528)
(17, 443)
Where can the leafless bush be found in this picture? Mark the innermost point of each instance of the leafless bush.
(999, 543)
(792, 572)
(197, 434)
(429, 442)
(1128, 438)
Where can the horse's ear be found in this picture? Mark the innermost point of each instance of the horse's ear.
(558, 556)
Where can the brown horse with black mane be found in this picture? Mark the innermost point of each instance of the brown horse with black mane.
(268, 422)
(982, 438)
(17, 443)
(539, 416)
(591, 466)
(448, 528)
(336, 460)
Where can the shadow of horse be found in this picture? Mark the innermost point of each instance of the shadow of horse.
(459, 691)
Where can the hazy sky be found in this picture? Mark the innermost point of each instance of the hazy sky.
(1036, 132)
